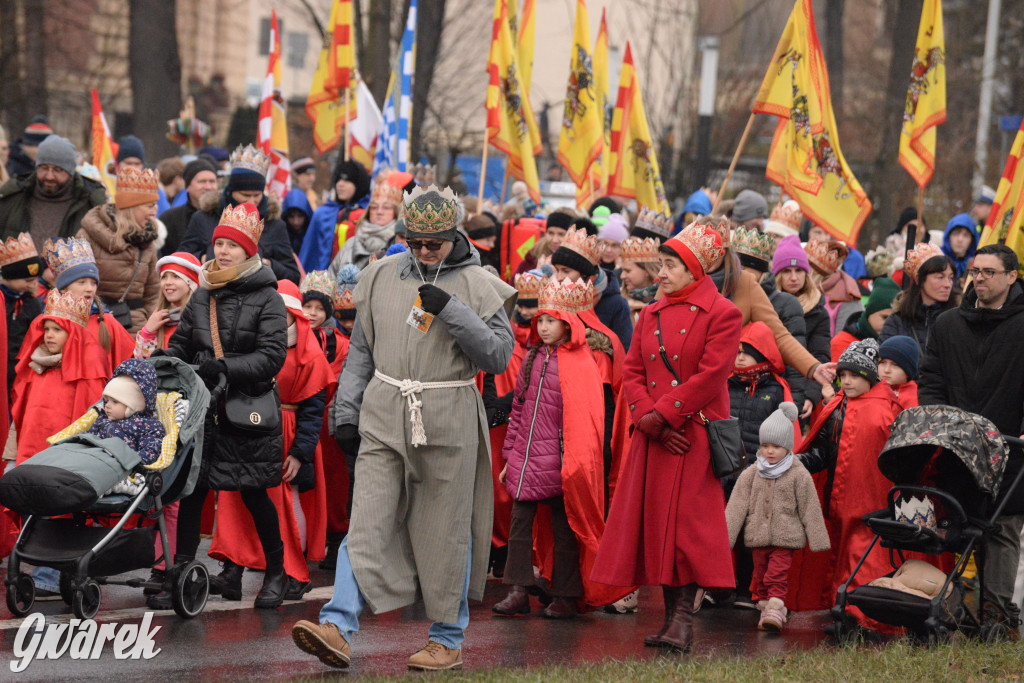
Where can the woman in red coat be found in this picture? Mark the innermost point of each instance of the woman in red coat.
(667, 521)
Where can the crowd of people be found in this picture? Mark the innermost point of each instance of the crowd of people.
(429, 423)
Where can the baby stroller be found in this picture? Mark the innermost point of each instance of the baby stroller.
(61, 489)
(947, 466)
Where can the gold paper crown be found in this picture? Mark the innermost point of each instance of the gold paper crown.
(917, 256)
(385, 191)
(319, 281)
(566, 296)
(430, 210)
(654, 221)
(528, 286)
(640, 250)
(424, 174)
(134, 181)
(251, 159)
(879, 263)
(19, 249)
(789, 214)
(344, 300)
(67, 307)
(826, 255)
(755, 244)
(61, 255)
(585, 245)
(247, 222)
(699, 238)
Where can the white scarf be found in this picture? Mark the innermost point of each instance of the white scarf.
(770, 471)
(42, 361)
(293, 336)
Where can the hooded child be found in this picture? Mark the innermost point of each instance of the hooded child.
(899, 359)
(330, 225)
(20, 268)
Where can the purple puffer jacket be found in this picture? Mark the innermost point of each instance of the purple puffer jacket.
(533, 444)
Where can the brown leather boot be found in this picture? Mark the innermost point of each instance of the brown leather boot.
(560, 608)
(517, 602)
(669, 593)
(679, 634)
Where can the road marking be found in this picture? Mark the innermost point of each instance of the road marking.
(215, 604)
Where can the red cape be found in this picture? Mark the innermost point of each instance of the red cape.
(839, 343)
(335, 466)
(506, 381)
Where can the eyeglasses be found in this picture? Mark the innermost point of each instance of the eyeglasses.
(985, 273)
(416, 245)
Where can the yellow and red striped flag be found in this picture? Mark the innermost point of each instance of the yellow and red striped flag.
(926, 97)
(333, 82)
(633, 163)
(272, 130)
(1005, 213)
(102, 146)
(805, 157)
(525, 40)
(597, 176)
(582, 136)
(511, 126)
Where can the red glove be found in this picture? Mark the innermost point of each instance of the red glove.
(674, 442)
(652, 424)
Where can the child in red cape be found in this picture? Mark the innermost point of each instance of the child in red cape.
(553, 453)
(898, 360)
(301, 498)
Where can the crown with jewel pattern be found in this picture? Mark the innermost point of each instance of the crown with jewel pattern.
(430, 210)
(344, 300)
(879, 263)
(703, 241)
(528, 286)
(319, 281)
(385, 190)
(755, 244)
(587, 246)
(640, 250)
(20, 249)
(242, 224)
(64, 254)
(789, 214)
(826, 256)
(655, 222)
(566, 296)
(135, 187)
(68, 307)
(250, 158)
(917, 256)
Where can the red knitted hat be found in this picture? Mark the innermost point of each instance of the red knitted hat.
(182, 263)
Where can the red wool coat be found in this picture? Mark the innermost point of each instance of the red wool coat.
(667, 521)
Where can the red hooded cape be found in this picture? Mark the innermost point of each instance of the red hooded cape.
(47, 403)
(335, 466)
(761, 337)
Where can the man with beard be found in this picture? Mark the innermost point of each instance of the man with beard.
(51, 201)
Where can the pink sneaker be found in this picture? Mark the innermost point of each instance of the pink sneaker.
(773, 617)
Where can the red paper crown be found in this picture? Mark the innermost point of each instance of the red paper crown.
(640, 250)
(917, 256)
(344, 300)
(826, 255)
(703, 241)
(68, 307)
(20, 249)
(587, 246)
(241, 224)
(385, 190)
(528, 286)
(567, 296)
(789, 214)
(135, 187)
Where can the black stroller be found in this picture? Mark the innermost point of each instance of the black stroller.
(954, 461)
(87, 555)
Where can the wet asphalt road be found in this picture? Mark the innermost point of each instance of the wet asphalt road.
(230, 640)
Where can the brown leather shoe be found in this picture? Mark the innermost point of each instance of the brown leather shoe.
(560, 608)
(323, 641)
(669, 593)
(436, 657)
(679, 634)
(516, 603)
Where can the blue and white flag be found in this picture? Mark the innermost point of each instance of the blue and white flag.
(393, 145)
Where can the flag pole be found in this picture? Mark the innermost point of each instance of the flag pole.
(483, 172)
(735, 158)
(504, 184)
(348, 138)
(912, 236)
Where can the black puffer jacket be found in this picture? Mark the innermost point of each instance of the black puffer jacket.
(253, 329)
(819, 344)
(916, 329)
(791, 314)
(752, 400)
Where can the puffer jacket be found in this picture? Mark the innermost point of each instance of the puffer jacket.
(791, 314)
(253, 329)
(118, 254)
(916, 329)
(533, 444)
(752, 400)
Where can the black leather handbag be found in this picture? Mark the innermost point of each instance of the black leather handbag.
(260, 414)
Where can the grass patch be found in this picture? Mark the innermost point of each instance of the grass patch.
(897, 661)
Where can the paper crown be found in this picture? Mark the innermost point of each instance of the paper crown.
(917, 256)
(528, 286)
(344, 300)
(700, 239)
(384, 191)
(430, 210)
(135, 187)
(250, 159)
(62, 255)
(68, 307)
(587, 246)
(654, 221)
(20, 249)
(566, 296)
(789, 214)
(243, 218)
(755, 244)
(640, 250)
(879, 263)
(424, 174)
(319, 281)
(826, 255)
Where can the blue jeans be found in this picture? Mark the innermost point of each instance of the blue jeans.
(347, 604)
(46, 579)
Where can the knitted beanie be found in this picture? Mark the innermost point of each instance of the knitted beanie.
(788, 254)
(614, 229)
(37, 131)
(194, 168)
(123, 389)
(903, 351)
(777, 428)
(130, 146)
(558, 219)
(586, 224)
(57, 151)
(600, 216)
(861, 358)
(749, 205)
(751, 351)
(564, 256)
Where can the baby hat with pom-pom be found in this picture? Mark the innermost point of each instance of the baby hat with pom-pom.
(777, 429)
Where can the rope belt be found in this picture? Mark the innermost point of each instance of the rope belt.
(289, 406)
(411, 389)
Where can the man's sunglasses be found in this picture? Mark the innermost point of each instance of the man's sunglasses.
(416, 245)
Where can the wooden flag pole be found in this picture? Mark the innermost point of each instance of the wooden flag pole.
(912, 236)
(735, 158)
(504, 183)
(348, 138)
(483, 173)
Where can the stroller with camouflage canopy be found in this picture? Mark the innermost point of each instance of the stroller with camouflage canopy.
(947, 467)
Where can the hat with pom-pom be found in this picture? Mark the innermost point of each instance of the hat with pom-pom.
(777, 429)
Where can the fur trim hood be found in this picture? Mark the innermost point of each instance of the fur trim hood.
(213, 203)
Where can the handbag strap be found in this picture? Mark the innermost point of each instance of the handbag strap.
(661, 349)
(218, 350)
(138, 267)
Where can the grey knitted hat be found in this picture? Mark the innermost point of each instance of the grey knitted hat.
(57, 151)
(861, 358)
(777, 428)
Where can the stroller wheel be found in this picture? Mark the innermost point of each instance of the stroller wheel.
(994, 633)
(67, 594)
(190, 590)
(21, 595)
(86, 600)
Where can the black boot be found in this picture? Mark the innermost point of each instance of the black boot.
(275, 581)
(229, 582)
(296, 589)
(669, 593)
(330, 561)
(162, 600)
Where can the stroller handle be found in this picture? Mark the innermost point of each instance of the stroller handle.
(219, 389)
(1012, 440)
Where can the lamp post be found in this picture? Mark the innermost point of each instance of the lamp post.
(708, 46)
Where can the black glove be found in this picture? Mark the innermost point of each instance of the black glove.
(347, 437)
(209, 369)
(433, 298)
(305, 478)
